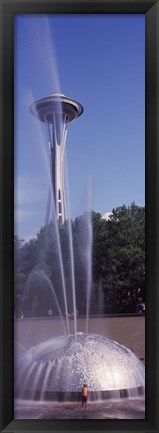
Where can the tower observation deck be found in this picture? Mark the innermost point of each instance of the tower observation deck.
(56, 111)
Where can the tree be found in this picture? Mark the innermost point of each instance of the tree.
(127, 232)
(19, 276)
(114, 249)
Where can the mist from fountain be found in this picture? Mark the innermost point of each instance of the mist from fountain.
(88, 252)
(55, 224)
(45, 54)
(60, 131)
(41, 139)
(39, 282)
(70, 237)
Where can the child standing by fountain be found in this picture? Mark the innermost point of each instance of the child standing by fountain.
(85, 392)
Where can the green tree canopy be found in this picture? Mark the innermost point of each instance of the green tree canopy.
(115, 247)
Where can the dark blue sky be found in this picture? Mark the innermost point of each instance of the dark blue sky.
(98, 60)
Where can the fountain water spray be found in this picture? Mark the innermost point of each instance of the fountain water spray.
(51, 203)
(56, 111)
(56, 369)
(88, 216)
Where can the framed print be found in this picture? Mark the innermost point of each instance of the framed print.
(79, 212)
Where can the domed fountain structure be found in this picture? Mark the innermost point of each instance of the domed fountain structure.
(57, 369)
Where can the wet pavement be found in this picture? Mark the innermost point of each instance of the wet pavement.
(124, 408)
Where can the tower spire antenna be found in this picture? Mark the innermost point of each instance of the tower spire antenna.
(56, 111)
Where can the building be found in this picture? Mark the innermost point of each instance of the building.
(56, 111)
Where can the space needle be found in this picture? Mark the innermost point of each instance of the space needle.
(56, 111)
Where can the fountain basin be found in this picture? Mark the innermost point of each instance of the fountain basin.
(56, 369)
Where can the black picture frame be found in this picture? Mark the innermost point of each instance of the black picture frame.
(8, 8)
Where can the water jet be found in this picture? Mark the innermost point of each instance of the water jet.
(56, 369)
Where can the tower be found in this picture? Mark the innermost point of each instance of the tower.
(56, 111)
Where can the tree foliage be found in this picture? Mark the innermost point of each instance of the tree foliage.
(116, 249)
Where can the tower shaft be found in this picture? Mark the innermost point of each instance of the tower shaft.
(56, 134)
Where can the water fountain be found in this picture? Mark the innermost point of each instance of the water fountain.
(56, 369)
